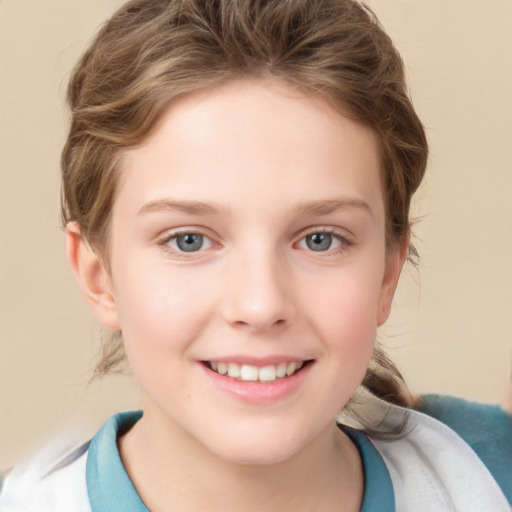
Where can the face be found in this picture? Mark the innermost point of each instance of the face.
(248, 268)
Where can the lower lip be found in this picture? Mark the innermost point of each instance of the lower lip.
(258, 392)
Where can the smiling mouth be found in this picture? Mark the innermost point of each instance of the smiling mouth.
(250, 373)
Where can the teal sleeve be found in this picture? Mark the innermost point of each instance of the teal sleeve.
(486, 428)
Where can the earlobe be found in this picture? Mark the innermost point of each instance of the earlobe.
(394, 264)
(94, 279)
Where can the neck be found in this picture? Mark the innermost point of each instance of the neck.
(172, 472)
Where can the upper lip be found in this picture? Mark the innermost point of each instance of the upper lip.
(257, 361)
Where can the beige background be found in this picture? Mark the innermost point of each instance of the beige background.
(451, 330)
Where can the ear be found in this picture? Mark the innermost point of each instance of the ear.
(93, 277)
(394, 263)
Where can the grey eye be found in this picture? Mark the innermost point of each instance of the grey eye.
(319, 241)
(322, 241)
(189, 242)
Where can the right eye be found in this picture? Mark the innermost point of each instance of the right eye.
(188, 242)
(324, 241)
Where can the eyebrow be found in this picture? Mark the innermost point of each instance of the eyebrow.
(323, 207)
(190, 207)
(331, 205)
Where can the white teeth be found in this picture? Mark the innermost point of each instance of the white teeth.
(249, 373)
(281, 369)
(267, 373)
(291, 369)
(252, 373)
(233, 370)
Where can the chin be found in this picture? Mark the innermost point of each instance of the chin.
(259, 449)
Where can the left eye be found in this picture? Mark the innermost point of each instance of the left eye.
(189, 242)
(321, 242)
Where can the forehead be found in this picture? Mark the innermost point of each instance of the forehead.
(254, 139)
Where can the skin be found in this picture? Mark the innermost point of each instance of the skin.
(273, 166)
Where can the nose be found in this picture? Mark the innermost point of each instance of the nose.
(258, 293)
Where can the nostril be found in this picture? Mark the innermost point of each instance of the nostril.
(259, 325)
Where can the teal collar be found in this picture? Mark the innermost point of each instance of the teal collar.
(111, 490)
(378, 492)
(108, 485)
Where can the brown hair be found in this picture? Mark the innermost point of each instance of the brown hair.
(153, 51)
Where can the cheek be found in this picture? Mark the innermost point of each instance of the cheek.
(161, 311)
(347, 297)
(344, 313)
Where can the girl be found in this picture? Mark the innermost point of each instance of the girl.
(236, 190)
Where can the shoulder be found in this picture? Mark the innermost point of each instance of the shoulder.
(67, 473)
(430, 465)
(54, 480)
(487, 429)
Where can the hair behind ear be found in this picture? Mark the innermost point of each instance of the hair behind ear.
(384, 380)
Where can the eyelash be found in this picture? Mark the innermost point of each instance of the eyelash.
(343, 241)
(165, 243)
